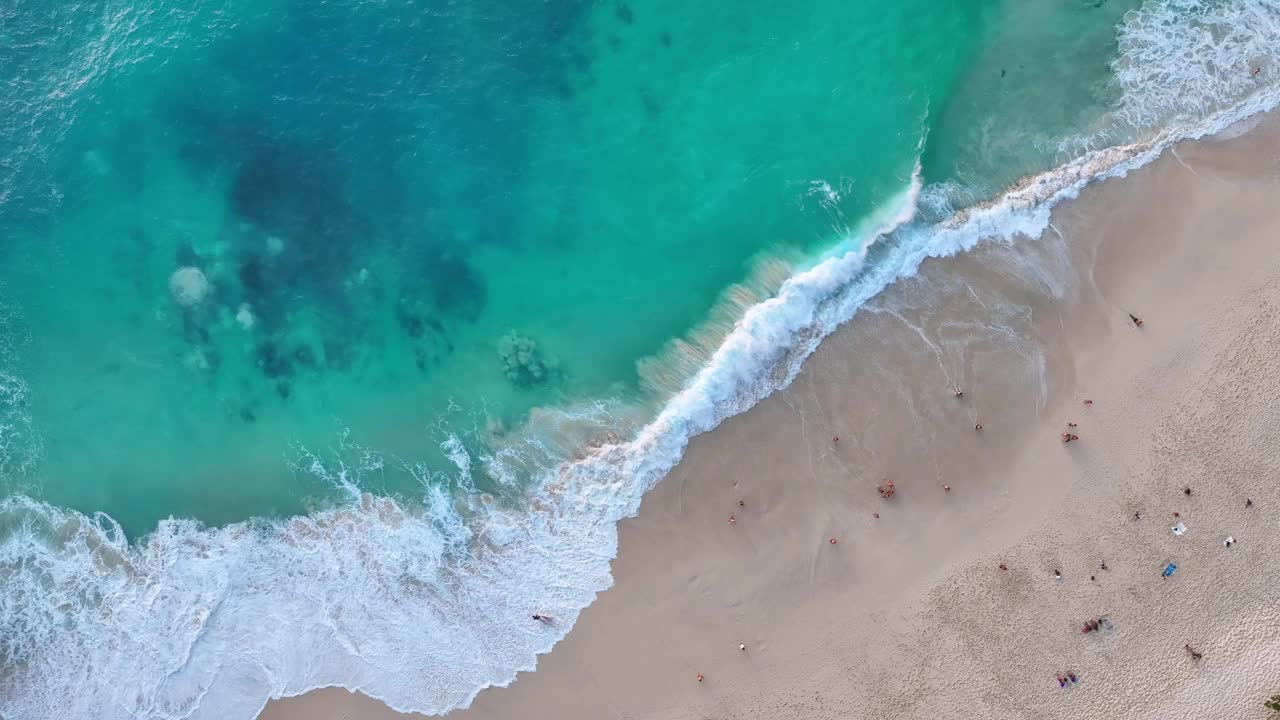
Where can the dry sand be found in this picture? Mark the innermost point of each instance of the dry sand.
(909, 615)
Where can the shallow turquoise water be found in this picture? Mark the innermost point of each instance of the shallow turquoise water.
(379, 194)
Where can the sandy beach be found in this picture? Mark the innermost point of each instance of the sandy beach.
(971, 601)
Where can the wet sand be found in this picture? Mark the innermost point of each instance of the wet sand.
(909, 614)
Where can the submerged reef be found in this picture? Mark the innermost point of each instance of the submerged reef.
(522, 362)
(189, 286)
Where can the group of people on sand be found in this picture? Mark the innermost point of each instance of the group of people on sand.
(886, 490)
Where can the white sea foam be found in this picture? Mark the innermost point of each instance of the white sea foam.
(423, 607)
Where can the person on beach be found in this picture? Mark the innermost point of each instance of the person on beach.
(1088, 403)
(1194, 655)
(543, 618)
(958, 391)
(1137, 321)
(1256, 72)
(1248, 503)
(1068, 437)
(1186, 491)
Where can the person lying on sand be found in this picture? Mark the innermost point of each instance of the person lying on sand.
(1136, 320)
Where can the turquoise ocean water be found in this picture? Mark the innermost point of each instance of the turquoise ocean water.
(332, 333)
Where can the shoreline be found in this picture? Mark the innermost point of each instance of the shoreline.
(770, 594)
